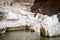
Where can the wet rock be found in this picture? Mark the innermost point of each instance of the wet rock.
(2, 30)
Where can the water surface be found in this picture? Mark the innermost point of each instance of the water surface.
(24, 35)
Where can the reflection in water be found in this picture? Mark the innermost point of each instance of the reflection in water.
(24, 35)
(52, 38)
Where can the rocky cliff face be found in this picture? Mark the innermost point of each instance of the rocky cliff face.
(17, 17)
(25, 3)
(10, 2)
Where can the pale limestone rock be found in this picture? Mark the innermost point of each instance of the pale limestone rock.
(6, 2)
(50, 24)
(11, 15)
(15, 17)
(20, 6)
(2, 28)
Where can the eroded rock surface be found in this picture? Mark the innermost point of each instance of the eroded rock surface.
(16, 17)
